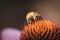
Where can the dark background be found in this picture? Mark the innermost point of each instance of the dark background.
(13, 12)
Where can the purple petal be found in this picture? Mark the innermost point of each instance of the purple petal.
(10, 34)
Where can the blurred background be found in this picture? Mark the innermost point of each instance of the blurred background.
(13, 12)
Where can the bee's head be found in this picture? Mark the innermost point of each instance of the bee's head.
(32, 16)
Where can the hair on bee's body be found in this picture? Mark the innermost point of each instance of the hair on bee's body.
(33, 16)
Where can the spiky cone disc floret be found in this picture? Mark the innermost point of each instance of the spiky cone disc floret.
(41, 30)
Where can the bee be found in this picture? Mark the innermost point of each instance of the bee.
(32, 16)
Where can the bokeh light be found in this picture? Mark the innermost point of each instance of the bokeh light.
(10, 34)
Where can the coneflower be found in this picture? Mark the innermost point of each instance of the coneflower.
(41, 30)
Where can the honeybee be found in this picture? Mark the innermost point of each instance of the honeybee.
(32, 16)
